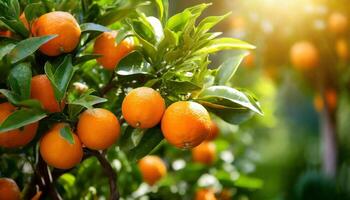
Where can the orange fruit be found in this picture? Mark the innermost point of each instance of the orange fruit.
(331, 99)
(249, 60)
(98, 128)
(37, 195)
(185, 124)
(143, 107)
(226, 194)
(9, 190)
(15, 138)
(24, 20)
(59, 23)
(152, 169)
(304, 55)
(204, 153)
(337, 23)
(42, 90)
(342, 49)
(205, 194)
(213, 131)
(112, 52)
(57, 151)
(5, 33)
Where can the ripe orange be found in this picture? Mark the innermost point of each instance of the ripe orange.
(5, 33)
(111, 52)
(9, 190)
(57, 151)
(204, 153)
(42, 90)
(304, 55)
(342, 49)
(37, 195)
(205, 194)
(24, 20)
(331, 99)
(249, 60)
(98, 128)
(213, 131)
(143, 107)
(337, 23)
(185, 124)
(15, 138)
(152, 169)
(58, 23)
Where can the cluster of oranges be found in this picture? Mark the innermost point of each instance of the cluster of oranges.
(185, 124)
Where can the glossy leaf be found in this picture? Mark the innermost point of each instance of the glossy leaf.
(224, 44)
(21, 118)
(227, 70)
(92, 27)
(67, 134)
(19, 80)
(88, 101)
(133, 64)
(151, 138)
(228, 97)
(27, 47)
(34, 10)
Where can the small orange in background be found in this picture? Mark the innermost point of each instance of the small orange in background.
(15, 138)
(143, 107)
(342, 49)
(304, 55)
(213, 131)
(59, 23)
(185, 124)
(249, 60)
(5, 33)
(337, 23)
(112, 53)
(98, 128)
(331, 99)
(205, 194)
(42, 90)
(57, 151)
(204, 153)
(152, 169)
(9, 189)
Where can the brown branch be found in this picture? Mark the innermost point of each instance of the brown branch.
(109, 171)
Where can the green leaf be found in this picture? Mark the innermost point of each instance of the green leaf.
(181, 87)
(61, 77)
(133, 64)
(85, 58)
(232, 116)
(224, 44)
(88, 101)
(248, 182)
(227, 70)
(206, 24)
(19, 80)
(5, 49)
(228, 97)
(67, 134)
(120, 12)
(91, 27)
(34, 10)
(27, 47)
(10, 11)
(11, 96)
(177, 22)
(21, 118)
(162, 6)
(151, 139)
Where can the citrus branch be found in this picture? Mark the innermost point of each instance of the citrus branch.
(109, 171)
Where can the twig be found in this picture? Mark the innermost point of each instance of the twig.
(109, 171)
